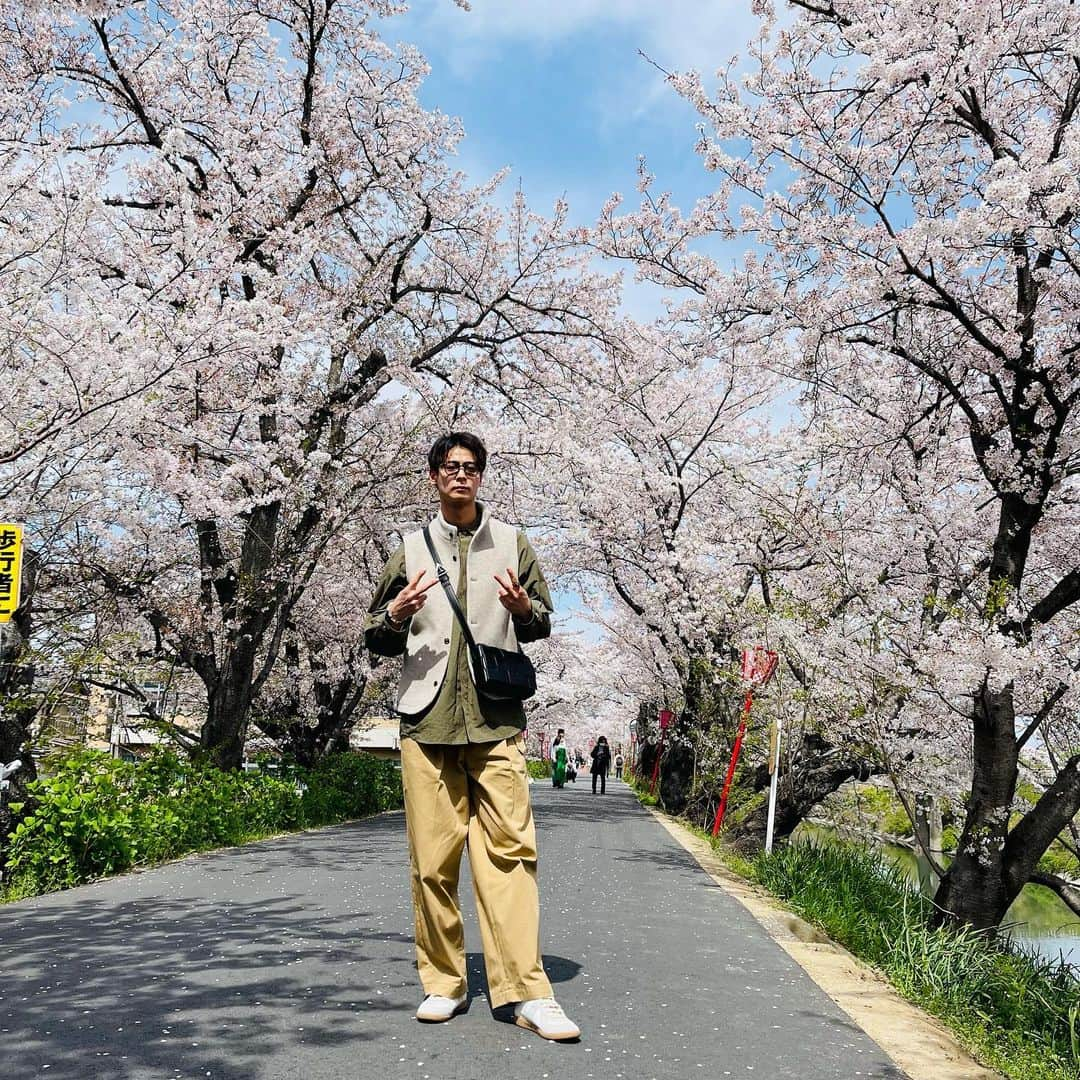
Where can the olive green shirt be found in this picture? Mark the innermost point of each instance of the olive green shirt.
(458, 715)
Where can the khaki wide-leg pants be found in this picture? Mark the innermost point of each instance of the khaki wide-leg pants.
(478, 792)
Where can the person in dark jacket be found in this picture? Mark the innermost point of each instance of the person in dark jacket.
(601, 763)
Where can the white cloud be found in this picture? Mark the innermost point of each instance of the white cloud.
(580, 57)
(678, 34)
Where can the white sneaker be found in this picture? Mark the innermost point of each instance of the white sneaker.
(546, 1018)
(436, 1009)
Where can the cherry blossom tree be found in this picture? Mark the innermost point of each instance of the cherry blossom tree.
(51, 405)
(283, 275)
(639, 487)
(907, 176)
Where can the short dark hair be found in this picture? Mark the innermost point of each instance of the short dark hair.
(445, 443)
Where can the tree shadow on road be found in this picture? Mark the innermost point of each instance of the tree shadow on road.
(672, 858)
(207, 964)
(342, 847)
(554, 808)
(845, 1031)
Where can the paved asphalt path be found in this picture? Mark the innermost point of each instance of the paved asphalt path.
(293, 958)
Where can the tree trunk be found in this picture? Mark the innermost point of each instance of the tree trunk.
(228, 707)
(993, 863)
(676, 776)
(15, 721)
(976, 889)
(17, 710)
(815, 771)
(337, 700)
(1040, 826)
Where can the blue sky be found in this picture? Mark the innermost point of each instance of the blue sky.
(556, 90)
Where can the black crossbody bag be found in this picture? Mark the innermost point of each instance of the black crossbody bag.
(499, 674)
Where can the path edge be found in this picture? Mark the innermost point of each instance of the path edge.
(199, 853)
(917, 1042)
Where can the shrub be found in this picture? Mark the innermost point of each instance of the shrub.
(539, 770)
(349, 785)
(94, 816)
(896, 822)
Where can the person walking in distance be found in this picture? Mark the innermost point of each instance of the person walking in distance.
(462, 753)
(560, 759)
(601, 763)
(618, 765)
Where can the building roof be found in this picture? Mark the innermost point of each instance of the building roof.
(376, 733)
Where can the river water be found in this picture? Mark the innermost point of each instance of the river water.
(1037, 919)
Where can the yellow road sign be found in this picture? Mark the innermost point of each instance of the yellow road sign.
(11, 549)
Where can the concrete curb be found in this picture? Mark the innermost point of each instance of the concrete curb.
(919, 1044)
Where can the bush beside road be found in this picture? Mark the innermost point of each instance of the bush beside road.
(94, 816)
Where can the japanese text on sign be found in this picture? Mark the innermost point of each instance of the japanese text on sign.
(11, 544)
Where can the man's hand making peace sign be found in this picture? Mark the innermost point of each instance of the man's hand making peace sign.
(513, 597)
(410, 600)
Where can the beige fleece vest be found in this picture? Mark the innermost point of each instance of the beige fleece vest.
(427, 650)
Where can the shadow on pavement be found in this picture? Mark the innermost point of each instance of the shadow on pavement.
(294, 958)
(669, 859)
(554, 808)
(95, 982)
(559, 969)
(332, 848)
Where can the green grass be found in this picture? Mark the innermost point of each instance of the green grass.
(640, 788)
(1018, 1012)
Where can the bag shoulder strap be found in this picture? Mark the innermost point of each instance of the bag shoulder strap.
(444, 579)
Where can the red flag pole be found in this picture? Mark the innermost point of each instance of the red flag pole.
(731, 765)
(758, 665)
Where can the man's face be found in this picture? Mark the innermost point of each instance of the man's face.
(452, 478)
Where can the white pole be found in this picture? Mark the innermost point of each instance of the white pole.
(775, 763)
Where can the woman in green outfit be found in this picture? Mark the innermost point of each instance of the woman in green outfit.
(559, 759)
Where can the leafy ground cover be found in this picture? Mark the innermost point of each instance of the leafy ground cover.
(93, 815)
(539, 770)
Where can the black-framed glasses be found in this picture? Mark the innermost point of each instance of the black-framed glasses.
(452, 468)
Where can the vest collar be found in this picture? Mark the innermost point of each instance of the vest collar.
(442, 530)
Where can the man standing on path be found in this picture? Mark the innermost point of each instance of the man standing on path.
(462, 754)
